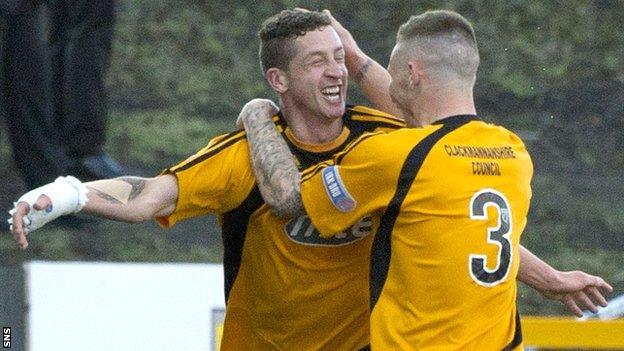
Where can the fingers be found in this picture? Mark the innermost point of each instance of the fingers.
(272, 107)
(17, 224)
(582, 291)
(588, 299)
(595, 295)
(43, 202)
(577, 280)
(239, 123)
(331, 17)
(256, 109)
(265, 105)
(571, 305)
(592, 291)
(334, 22)
(602, 285)
(582, 299)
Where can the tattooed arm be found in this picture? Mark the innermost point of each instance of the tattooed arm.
(128, 199)
(371, 77)
(273, 164)
(279, 183)
(132, 199)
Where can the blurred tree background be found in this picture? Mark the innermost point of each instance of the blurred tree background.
(552, 71)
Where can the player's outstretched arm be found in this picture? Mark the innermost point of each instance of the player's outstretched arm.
(372, 78)
(273, 164)
(132, 199)
(127, 199)
(575, 289)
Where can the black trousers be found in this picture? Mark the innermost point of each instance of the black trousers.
(53, 96)
(81, 33)
(37, 152)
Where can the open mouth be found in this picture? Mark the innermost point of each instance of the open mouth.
(332, 93)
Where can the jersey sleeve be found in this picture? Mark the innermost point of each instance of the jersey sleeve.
(214, 180)
(359, 181)
(374, 120)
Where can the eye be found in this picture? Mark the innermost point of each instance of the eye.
(317, 62)
(339, 55)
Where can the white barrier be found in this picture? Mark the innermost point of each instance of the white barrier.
(76, 306)
(123, 306)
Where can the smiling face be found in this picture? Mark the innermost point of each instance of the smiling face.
(317, 75)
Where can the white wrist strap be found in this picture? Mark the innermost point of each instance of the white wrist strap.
(68, 195)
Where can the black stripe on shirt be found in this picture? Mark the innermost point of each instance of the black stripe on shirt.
(358, 110)
(339, 156)
(230, 140)
(313, 170)
(381, 251)
(233, 233)
(517, 340)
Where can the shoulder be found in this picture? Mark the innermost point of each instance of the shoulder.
(224, 140)
(380, 146)
(369, 115)
(391, 140)
(222, 146)
(503, 134)
(397, 142)
(223, 143)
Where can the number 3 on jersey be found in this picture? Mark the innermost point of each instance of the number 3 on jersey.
(498, 235)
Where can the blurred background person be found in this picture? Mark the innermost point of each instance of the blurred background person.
(54, 100)
(81, 33)
(26, 93)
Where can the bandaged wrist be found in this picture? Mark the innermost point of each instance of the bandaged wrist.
(67, 194)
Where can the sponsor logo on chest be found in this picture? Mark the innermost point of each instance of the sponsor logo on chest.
(301, 231)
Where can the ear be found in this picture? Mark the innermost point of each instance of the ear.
(417, 73)
(277, 79)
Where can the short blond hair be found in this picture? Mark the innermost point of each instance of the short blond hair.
(445, 39)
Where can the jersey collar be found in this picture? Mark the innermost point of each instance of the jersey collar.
(318, 148)
(457, 119)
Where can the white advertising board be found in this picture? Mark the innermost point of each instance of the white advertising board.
(123, 306)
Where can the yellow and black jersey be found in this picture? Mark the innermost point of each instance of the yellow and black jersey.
(453, 199)
(286, 287)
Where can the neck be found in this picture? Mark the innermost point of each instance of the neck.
(310, 129)
(441, 102)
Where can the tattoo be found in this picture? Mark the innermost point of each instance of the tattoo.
(138, 184)
(106, 197)
(361, 73)
(120, 190)
(276, 172)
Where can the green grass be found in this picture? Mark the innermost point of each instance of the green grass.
(159, 138)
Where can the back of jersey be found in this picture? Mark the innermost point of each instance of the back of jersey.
(452, 234)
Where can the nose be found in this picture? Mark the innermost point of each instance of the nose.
(336, 69)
